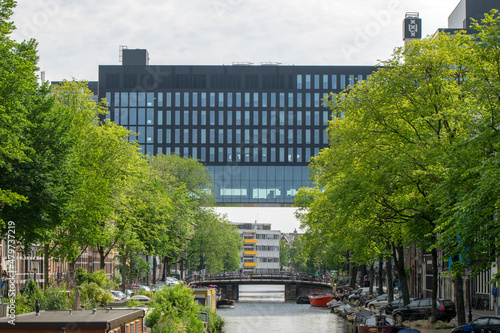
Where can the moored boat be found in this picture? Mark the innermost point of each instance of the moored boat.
(378, 323)
(225, 304)
(319, 299)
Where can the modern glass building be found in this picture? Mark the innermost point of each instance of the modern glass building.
(254, 126)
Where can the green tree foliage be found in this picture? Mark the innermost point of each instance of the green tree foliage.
(215, 245)
(174, 309)
(413, 157)
(19, 94)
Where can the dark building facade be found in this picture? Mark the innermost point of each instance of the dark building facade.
(255, 127)
(466, 10)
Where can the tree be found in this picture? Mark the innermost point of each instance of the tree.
(215, 245)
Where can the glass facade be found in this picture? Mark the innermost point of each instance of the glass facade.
(254, 127)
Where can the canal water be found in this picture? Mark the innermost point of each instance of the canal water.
(263, 309)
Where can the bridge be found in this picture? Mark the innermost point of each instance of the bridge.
(296, 285)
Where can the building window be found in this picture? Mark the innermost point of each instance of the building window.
(290, 136)
(229, 136)
(282, 155)
(229, 100)
(299, 118)
(282, 118)
(186, 136)
(159, 116)
(264, 155)
(299, 81)
(351, 81)
(203, 136)
(290, 100)
(221, 136)
(212, 136)
(177, 118)
(238, 100)
(255, 157)
(282, 100)
(316, 118)
(247, 99)
(177, 99)
(221, 118)
(273, 100)
(264, 136)
(299, 100)
(186, 100)
(247, 136)
(238, 136)
(195, 118)
(203, 99)
(325, 81)
(221, 99)
(247, 154)
(177, 136)
(273, 155)
(203, 118)
(264, 118)
(308, 137)
(194, 153)
(211, 155)
(316, 100)
(256, 99)
(124, 99)
(308, 81)
(186, 118)
(168, 99)
(299, 137)
(133, 99)
(229, 118)
(342, 82)
(229, 154)
(168, 135)
(299, 155)
(316, 81)
(290, 155)
(195, 100)
(160, 100)
(255, 136)
(195, 136)
(308, 100)
(256, 118)
(290, 118)
(220, 158)
(212, 117)
(308, 118)
(273, 136)
(316, 137)
(247, 118)
(212, 99)
(282, 136)
(264, 100)
(238, 118)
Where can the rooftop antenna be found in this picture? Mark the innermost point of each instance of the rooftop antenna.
(120, 55)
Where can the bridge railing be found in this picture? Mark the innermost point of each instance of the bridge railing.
(283, 276)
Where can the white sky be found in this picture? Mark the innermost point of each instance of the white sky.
(75, 36)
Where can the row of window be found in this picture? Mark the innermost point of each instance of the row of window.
(267, 236)
(229, 136)
(140, 116)
(318, 81)
(238, 154)
(258, 259)
(220, 99)
(267, 248)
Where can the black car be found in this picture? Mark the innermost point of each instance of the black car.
(397, 303)
(422, 309)
(489, 324)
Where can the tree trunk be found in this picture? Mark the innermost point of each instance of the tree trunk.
(434, 284)
(123, 270)
(71, 274)
(399, 258)
(102, 258)
(388, 277)
(458, 285)
(372, 278)
(46, 266)
(354, 274)
(154, 271)
(381, 275)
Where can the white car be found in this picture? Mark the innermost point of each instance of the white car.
(141, 298)
(118, 295)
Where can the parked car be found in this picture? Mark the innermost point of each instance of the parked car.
(422, 309)
(378, 302)
(118, 295)
(141, 298)
(172, 280)
(397, 303)
(480, 325)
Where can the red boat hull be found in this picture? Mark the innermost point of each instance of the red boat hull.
(319, 299)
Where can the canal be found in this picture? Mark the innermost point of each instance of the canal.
(263, 309)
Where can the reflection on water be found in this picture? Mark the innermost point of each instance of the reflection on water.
(263, 309)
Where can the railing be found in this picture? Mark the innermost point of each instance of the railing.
(236, 277)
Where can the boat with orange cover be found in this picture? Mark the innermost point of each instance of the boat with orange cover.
(319, 299)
